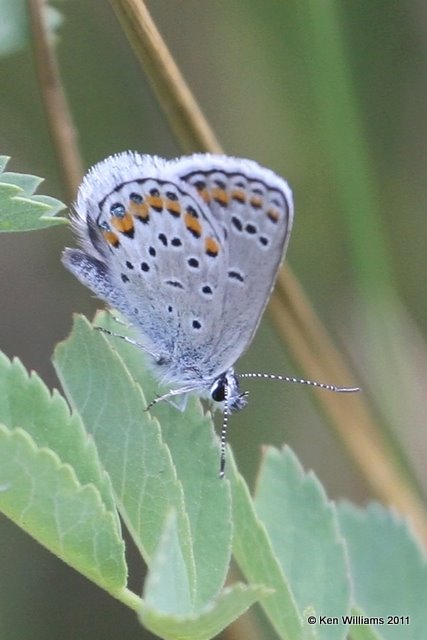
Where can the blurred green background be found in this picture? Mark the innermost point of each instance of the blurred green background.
(332, 96)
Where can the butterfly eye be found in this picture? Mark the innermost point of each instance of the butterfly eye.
(218, 389)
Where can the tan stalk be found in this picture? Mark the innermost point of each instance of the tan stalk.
(58, 115)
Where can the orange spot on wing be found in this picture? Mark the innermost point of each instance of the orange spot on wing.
(156, 202)
(124, 224)
(111, 238)
(256, 202)
(193, 225)
(211, 246)
(220, 195)
(173, 207)
(239, 195)
(205, 195)
(139, 210)
(273, 215)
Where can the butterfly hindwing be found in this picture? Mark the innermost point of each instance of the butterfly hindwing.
(255, 208)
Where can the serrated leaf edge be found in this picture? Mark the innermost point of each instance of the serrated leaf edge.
(238, 479)
(54, 399)
(60, 466)
(309, 478)
(154, 421)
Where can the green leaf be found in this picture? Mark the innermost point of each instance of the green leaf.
(128, 440)
(14, 21)
(166, 482)
(255, 556)
(226, 608)
(44, 497)
(303, 530)
(26, 402)
(362, 631)
(164, 597)
(26, 182)
(167, 588)
(190, 438)
(388, 568)
(55, 205)
(20, 210)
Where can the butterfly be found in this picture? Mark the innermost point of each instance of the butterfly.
(188, 250)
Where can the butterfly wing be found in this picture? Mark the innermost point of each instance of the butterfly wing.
(188, 250)
(254, 207)
(152, 249)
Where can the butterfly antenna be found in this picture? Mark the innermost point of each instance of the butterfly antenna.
(310, 383)
(223, 443)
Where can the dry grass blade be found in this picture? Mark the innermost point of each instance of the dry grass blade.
(183, 113)
(58, 114)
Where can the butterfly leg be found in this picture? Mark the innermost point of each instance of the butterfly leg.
(171, 394)
(120, 321)
(156, 356)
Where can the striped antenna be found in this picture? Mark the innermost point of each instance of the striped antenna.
(310, 383)
(223, 441)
